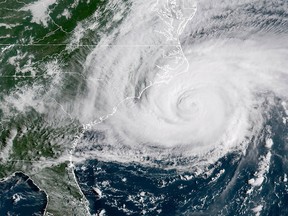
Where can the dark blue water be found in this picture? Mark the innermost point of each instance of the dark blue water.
(135, 189)
(20, 196)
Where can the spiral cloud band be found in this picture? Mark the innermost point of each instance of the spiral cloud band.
(174, 83)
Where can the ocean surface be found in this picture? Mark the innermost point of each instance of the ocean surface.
(20, 196)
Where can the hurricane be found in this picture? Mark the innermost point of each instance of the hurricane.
(188, 86)
(159, 89)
